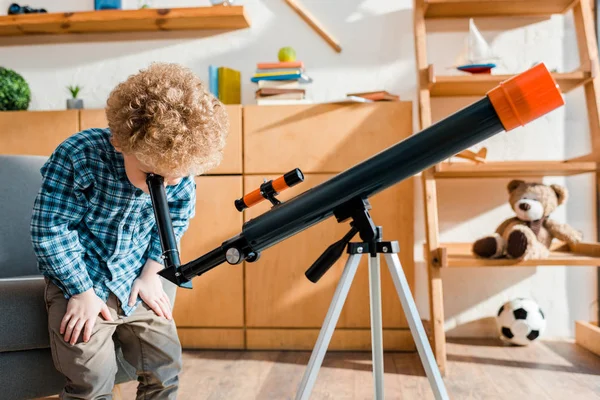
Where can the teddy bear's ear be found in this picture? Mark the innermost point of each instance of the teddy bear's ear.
(561, 193)
(512, 185)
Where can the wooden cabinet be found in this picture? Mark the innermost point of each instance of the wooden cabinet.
(35, 132)
(212, 313)
(270, 304)
(39, 132)
(93, 118)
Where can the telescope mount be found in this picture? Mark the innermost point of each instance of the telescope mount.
(372, 244)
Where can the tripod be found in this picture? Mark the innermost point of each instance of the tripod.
(373, 245)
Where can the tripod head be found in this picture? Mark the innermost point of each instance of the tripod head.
(358, 211)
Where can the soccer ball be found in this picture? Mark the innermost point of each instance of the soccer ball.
(520, 321)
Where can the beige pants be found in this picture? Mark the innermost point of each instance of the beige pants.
(149, 342)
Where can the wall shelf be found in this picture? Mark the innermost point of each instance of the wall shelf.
(512, 169)
(110, 21)
(459, 255)
(494, 8)
(479, 85)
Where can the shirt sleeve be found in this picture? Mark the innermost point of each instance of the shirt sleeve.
(182, 207)
(58, 208)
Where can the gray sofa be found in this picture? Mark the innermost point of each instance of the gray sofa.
(26, 367)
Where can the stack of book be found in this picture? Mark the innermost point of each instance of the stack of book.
(280, 83)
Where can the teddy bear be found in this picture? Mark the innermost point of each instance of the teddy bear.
(528, 235)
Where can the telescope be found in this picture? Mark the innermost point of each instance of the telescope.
(513, 103)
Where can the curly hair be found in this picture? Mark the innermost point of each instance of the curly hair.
(166, 118)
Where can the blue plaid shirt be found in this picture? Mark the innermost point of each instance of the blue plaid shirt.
(91, 228)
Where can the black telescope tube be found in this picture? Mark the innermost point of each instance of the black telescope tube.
(163, 220)
(405, 159)
(448, 137)
(513, 103)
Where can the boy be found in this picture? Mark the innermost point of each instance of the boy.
(94, 233)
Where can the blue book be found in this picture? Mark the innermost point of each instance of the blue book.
(107, 4)
(302, 78)
(213, 80)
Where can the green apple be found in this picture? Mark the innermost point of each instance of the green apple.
(287, 54)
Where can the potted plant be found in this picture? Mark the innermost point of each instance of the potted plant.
(15, 94)
(74, 103)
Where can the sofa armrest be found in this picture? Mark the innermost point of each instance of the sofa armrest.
(24, 320)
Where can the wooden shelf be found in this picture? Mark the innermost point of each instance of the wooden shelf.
(512, 169)
(479, 85)
(104, 21)
(458, 255)
(494, 8)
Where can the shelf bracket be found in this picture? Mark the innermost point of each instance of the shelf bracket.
(427, 78)
(439, 257)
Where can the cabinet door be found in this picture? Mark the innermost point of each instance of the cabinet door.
(320, 138)
(279, 295)
(217, 297)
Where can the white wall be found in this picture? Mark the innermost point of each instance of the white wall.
(378, 52)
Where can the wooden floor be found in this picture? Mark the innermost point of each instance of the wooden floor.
(478, 369)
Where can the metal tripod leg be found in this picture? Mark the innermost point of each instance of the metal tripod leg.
(333, 314)
(376, 325)
(416, 327)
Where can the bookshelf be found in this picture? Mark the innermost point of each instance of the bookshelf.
(113, 21)
(435, 9)
(458, 255)
(450, 256)
(512, 169)
(479, 85)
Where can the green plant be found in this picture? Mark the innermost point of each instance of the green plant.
(14, 91)
(74, 90)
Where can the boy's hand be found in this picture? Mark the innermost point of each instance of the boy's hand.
(149, 287)
(82, 311)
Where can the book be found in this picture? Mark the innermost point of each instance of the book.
(274, 91)
(283, 96)
(351, 99)
(276, 65)
(278, 73)
(279, 84)
(275, 102)
(213, 80)
(288, 70)
(379, 95)
(229, 86)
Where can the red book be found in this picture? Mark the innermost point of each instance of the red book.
(276, 65)
(380, 95)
